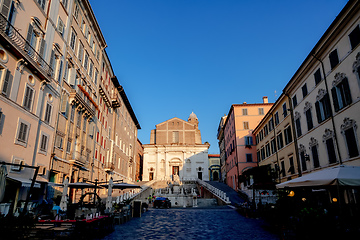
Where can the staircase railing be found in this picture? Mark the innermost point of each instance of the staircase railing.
(217, 192)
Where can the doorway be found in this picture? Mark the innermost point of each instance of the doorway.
(175, 170)
(151, 176)
(200, 175)
(215, 176)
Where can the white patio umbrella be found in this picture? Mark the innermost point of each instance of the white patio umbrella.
(64, 198)
(341, 175)
(109, 197)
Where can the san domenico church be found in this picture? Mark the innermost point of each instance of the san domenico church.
(176, 152)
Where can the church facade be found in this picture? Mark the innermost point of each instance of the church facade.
(176, 152)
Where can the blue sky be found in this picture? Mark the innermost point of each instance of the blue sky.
(178, 56)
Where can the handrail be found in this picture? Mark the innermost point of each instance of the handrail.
(10, 33)
(217, 192)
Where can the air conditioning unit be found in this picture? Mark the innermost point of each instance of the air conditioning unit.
(19, 167)
(42, 170)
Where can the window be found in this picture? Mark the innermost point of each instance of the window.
(96, 76)
(6, 84)
(348, 130)
(304, 90)
(282, 170)
(42, 3)
(355, 37)
(86, 61)
(78, 123)
(273, 146)
(266, 131)
(315, 156)
(288, 135)
(267, 149)
(246, 125)
(248, 141)
(59, 141)
(322, 106)
(341, 92)
(64, 108)
(72, 113)
(175, 136)
(330, 150)
(308, 115)
(292, 167)
(44, 143)
(244, 111)
(280, 142)
(249, 157)
(28, 97)
(261, 111)
(284, 110)
(317, 77)
(72, 39)
(258, 156)
(2, 119)
(298, 127)
(271, 124)
(91, 69)
(334, 59)
(80, 52)
(262, 153)
(64, 3)
(76, 12)
(276, 118)
(68, 147)
(294, 101)
(60, 27)
(23, 132)
(84, 124)
(303, 158)
(47, 113)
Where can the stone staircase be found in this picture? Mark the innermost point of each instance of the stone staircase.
(235, 198)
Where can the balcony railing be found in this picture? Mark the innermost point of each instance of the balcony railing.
(78, 97)
(23, 48)
(109, 167)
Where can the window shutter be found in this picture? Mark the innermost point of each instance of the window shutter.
(7, 84)
(318, 111)
(28, 37)
(347, 92)
(5, 9)
(327, 106)
(335, 99)
(42, 48)
(52, 60)
(60, 71)
(2, 119)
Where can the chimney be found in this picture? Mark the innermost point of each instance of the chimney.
(265, 100)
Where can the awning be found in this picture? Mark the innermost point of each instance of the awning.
(24, 182)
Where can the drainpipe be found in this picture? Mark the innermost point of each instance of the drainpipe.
(331, 116)
(294, 134)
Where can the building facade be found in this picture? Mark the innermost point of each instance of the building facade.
(275, 142)
(214, 167)
(176, 152)
(240, 147)
(325, 93)
(221, 139)
(62, 109)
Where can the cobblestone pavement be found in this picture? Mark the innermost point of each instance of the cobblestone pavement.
(217, 223)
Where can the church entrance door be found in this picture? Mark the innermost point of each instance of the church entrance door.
(175, 170)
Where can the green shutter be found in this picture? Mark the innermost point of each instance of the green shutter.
(335, 99)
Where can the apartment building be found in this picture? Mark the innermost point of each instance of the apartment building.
(240, 150)
(32, 48)
(325, 93)
(275, 142)
(220, 137)
(61, 106)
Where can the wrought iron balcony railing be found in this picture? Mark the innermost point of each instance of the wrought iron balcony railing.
(23, 48)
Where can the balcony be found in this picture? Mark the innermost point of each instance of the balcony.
(104, 93)
(79, 160)
(13, 40)
(116, 103)
(109, 167)
(79, 97)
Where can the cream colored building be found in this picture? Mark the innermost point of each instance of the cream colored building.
(61, 106)
(275, 141)
(29, 92)
(176, 152)
(325, 93)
